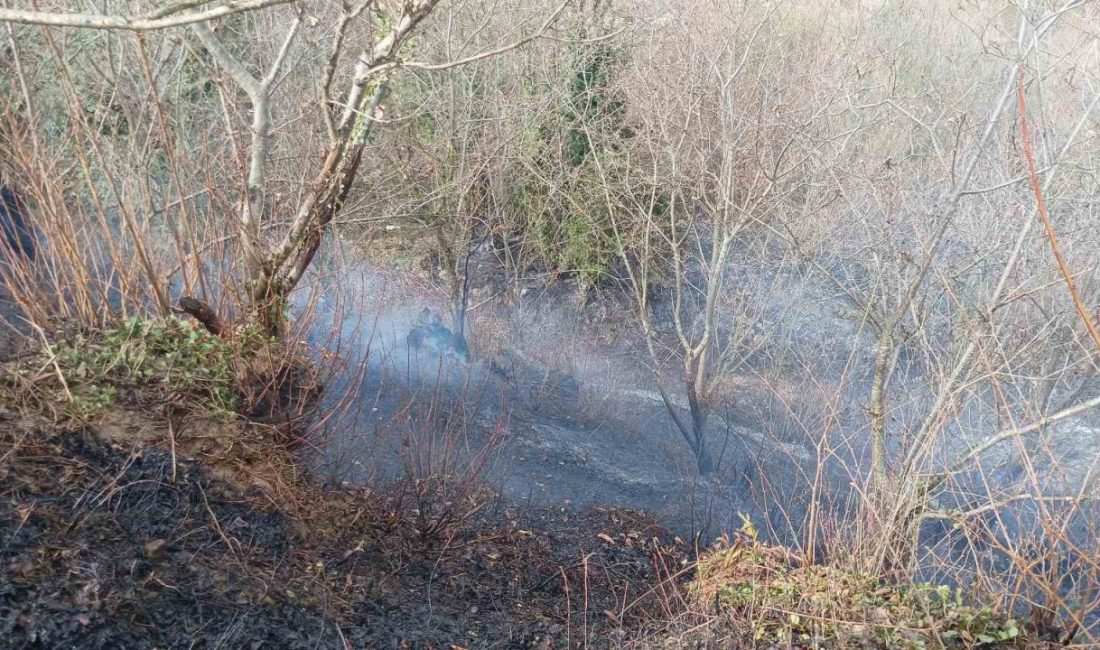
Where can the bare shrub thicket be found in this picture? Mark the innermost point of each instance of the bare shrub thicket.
(895, 177)
(965, 344)
(263, 120)
(828, 202)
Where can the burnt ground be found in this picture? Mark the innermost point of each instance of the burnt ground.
(567, 370)
(111, 541)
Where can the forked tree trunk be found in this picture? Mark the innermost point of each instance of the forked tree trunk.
(699, 430)
(694, 430)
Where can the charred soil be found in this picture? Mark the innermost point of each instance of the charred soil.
(133, 536)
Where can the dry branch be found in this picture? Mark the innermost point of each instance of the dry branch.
(202, 312)
(173, 15)
(1040, 205)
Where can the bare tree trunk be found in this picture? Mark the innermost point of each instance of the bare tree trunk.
(699, 429)
(461, 304)
(694, 430)
(886, 354)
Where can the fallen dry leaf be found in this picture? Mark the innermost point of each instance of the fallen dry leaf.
(155, 548)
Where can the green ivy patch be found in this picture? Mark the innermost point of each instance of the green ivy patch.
(171, 358)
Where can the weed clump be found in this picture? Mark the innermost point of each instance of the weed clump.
(765, 596)
(163, 362)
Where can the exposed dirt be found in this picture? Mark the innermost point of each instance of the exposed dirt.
(114, 541)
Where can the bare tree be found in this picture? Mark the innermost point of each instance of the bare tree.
(723, 145)
(272, 267)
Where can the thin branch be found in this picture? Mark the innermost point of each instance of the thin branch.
(1040, 205)
(280, 58)
(1001, 186)
(958, 515)
(232, 65)
(330, 67)
(539, 33)
(171, 16)
(1015, 432)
